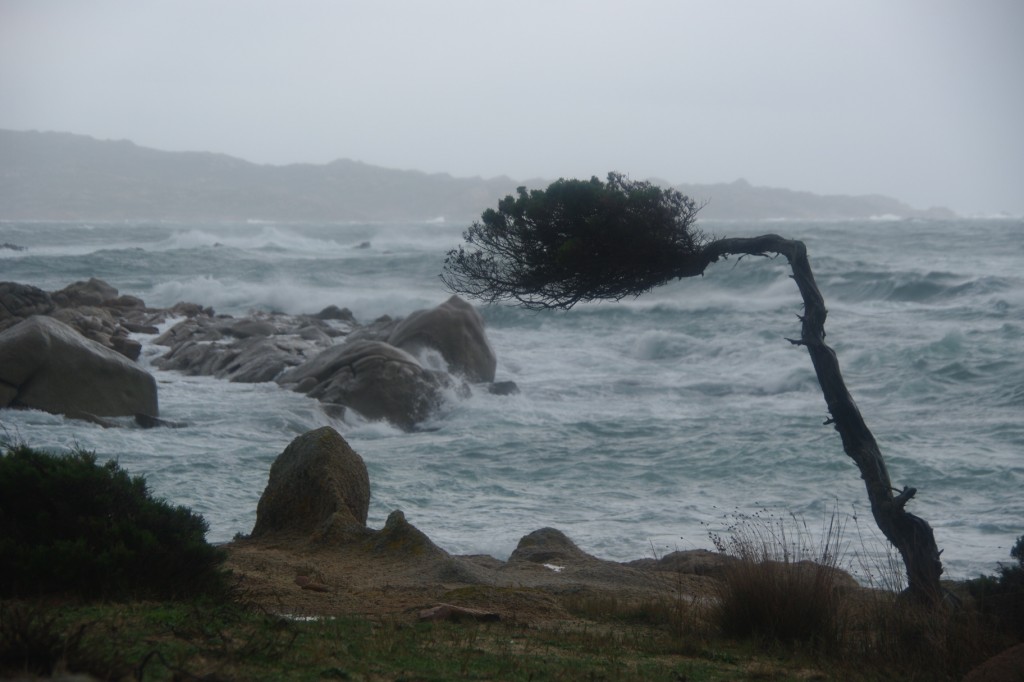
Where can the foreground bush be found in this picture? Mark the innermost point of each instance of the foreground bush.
(784, 588)
(787, 588)
(1002, 597)
(72, 527)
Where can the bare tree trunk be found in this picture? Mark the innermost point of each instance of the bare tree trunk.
(911, 535)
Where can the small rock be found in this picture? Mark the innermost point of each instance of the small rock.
(307, 583)
(503, 388)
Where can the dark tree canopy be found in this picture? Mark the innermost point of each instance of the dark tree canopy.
(581, 241)
(577, 241)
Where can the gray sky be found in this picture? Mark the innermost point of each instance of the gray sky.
(922, 100)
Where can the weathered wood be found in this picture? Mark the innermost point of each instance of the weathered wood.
(911, 535)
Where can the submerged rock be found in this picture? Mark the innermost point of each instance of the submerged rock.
(247, 350)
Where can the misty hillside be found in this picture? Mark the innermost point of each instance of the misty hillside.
(61, 176)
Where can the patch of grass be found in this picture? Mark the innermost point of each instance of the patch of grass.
(38, 641)
(673, 623)
(215, 641)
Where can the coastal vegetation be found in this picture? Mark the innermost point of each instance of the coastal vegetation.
(85, 592)
(69, 525)
(579, 241)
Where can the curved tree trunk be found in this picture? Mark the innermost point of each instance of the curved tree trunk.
(911, 535)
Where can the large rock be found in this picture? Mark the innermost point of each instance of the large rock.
(455, 329)
(375, 379)
(1005, 667)
(318, 489)
(47, 365)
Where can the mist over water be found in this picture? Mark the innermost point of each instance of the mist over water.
(641, 425)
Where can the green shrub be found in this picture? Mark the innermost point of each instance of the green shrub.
(71, 526)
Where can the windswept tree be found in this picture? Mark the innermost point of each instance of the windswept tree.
(582, 241)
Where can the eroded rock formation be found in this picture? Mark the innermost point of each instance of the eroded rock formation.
(318, 489)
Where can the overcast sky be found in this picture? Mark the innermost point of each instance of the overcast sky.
(922, 100)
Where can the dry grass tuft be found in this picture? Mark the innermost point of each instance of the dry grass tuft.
(786, 587)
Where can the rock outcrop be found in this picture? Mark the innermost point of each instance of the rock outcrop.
(311, 537)
(397, 370)
(691, 561)
(93, 308)
(1007, 666)
(454, 328)
(47, 365)
(375, 379)
(399, 538)
(245, 350)
(376, 370)
(318, 490)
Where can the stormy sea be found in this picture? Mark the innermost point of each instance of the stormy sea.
(641, 426)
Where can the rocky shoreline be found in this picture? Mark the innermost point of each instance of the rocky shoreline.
(310, 553)
(399, 370)
(73, 352)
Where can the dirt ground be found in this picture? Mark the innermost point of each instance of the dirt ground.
(399, 573)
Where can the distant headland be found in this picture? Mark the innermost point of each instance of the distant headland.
(63, 176)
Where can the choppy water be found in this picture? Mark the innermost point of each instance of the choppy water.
(641, 425)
